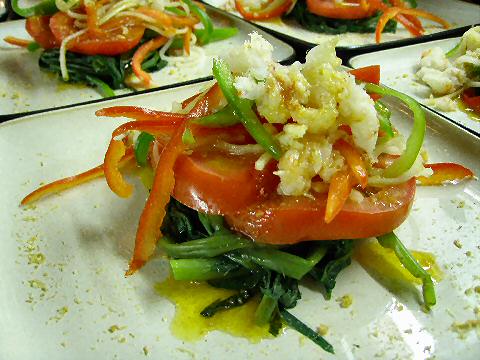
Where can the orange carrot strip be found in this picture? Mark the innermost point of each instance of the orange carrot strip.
(163, 18)
(426, 15)
(338, 192)
(388, 14)
(140, 55)
(148, 231)
(444, 173)
(116, 182)
(12, 40)
(151, 127)
(211, 102)
(415, 21)
(72, 181)
(92, 17)
(186, 40)
(354, 160)
(141, 114)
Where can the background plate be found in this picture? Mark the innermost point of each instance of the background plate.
(64, 307)
(457, 12)
(25, 88)
(398, 67)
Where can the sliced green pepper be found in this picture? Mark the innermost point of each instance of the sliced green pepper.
(46, 7)
(142, 146)
(224, 117)
(414, 141)
(391, 241)
(204, 19)
(243, 109)
(384, 119)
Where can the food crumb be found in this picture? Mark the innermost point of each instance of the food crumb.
(463, 328)
(345, 301)
(458, 244)
(322, 329)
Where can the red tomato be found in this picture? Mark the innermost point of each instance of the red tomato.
(213, 182)
(472, 100)
(288, 220)
(348, 9)
(39, 30)
(115, 37)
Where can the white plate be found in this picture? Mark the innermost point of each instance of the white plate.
(457, 12)
(24, 87)
(86, 236)
(398, 67)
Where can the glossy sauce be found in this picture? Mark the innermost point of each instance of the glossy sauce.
(190, 298)
(383, 262)
(471, 114)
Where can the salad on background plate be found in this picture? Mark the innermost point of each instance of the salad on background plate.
(443, 75)
(269, 176)
(356, 23)
(63, 57)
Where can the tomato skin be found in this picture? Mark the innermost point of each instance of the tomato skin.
(39, 30)
(350, 10)
(109, 40)
(288, 220)
(216, 183)
(472, 100)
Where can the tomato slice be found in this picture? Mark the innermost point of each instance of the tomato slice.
(214, 182)
(348, 9)
(288, 219)
(39, 30)
(115, 37)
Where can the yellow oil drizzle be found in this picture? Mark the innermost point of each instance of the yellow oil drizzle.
(383, 263)
(190, 298)
(470, 112)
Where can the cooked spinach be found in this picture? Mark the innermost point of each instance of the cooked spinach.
(111, 70)
(325, 25)
(202, 248)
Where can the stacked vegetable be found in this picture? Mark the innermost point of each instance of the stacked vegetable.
(338, 17)
(101, 42)
(248, 178)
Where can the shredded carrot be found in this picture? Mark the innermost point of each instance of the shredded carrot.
(415, 21)
(211, 102)
(444, 173)
(354, 160)
(387, 15)
(151, 126)
(140, 55)
(12, 40)
(116, 182)
(392, 12)
(338, 192)
(72, 181)
(186, 40)
(92, 17)
(141, 114)
(148, 231)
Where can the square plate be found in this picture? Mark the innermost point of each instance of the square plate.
(24, 88)
(398, 67)
(457, 12)
(76, 303)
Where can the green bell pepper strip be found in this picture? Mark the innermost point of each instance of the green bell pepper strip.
(414, 141)
(391, 241)
(102, 87)
(217, 35)
(222, 118)
(33, 46)
(384, 119)
(243, 109)
(204, 19)
(142, 146)
(175, 10)
(452, 52)
(46, 7)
